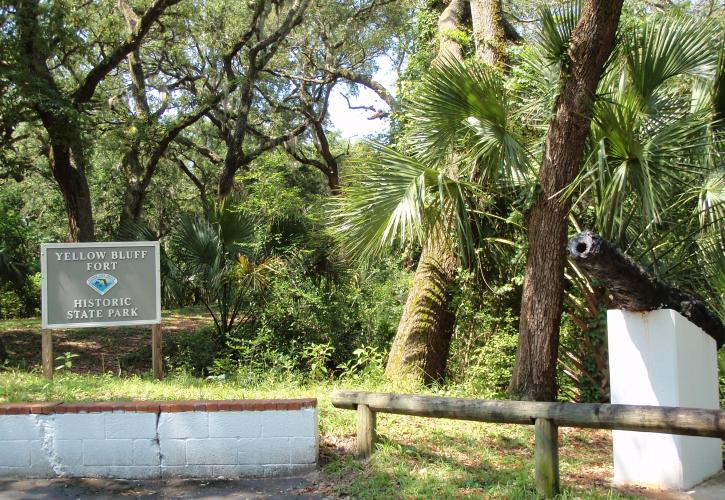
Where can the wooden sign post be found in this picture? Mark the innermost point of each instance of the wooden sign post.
(90, 285)
(156, 358)
(46, 350)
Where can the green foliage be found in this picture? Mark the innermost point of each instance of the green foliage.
(19, 266)
(366, 364)
(491, 365)
(467, 141)
(301, 315)
(582, 374)
(66, 361)
(191, 352)
(395, 199)
(219, 259)
(555, 30)
(317, 357)
(486, 336)
(464, 108)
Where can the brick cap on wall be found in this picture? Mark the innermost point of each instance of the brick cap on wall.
(47, 408)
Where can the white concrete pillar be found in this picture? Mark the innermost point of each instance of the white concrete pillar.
(660, 358)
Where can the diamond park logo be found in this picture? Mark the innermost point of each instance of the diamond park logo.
(102, 282)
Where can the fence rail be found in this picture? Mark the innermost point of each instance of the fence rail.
(546, 418)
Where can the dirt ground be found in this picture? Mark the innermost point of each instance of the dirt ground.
(125, 350)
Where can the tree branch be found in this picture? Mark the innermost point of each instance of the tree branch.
(365, 81)
(112, 60)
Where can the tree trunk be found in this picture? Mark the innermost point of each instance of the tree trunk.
(133, 203)
(333, 180)
(488, 31)
(226, 179)
(451, 19)
(74, 187)
(420, 348)
(60, 119)
(421, 343)
(592, 41)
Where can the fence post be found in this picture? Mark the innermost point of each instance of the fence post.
(46, 352)
(365, 431)
(546, 457)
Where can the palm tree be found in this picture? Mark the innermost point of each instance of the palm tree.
(460, 131)
(219, 259)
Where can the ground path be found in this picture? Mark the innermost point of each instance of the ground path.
(305, 487)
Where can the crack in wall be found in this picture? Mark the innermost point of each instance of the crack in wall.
(157, 443)
(47, 431)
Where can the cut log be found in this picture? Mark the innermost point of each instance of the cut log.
(632, 288)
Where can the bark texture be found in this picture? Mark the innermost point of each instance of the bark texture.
(450, 20)
(592, 41)
(489, 35)
(421, 343)
(420, 348)
(632, 288)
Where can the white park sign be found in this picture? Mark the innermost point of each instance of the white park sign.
(100, 284)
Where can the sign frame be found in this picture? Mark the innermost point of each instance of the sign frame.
(44, 247)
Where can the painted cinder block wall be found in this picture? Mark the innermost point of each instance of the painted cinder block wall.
(144, 440)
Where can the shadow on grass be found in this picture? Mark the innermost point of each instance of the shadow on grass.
(400, 470)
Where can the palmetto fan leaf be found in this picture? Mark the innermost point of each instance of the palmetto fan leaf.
(650, 141)
(394, 198)
(711, 201)
(665, 49)
(236, 228)
(196, 244)
(556, 28)
(462, 110)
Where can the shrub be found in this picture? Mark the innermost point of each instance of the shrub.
(190, 351)
(486, 336)
(300, 310)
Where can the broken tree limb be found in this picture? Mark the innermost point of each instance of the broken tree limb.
(632, 288)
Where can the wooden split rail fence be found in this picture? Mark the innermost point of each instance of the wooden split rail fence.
(545, 417)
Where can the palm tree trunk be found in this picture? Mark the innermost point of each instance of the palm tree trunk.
(421, 343)
(488, 31)
(420, 348)
(592, 41)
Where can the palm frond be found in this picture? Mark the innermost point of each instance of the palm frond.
(196, 245)
(555, 29)
(711, 200)
(645, 159)
(660, 51)
(395, 199)
(237, 228)
(136, 231)
(462, 110)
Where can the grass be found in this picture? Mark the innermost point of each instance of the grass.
(414, 458)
